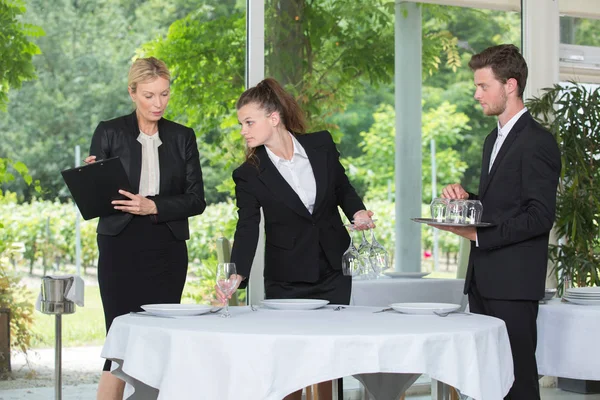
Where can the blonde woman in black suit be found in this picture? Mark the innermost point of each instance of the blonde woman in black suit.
(298, 181)
(142, 251)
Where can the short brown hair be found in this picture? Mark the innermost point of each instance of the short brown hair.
(147, 69)
(506, 62)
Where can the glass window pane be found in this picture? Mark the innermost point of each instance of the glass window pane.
(580, 31)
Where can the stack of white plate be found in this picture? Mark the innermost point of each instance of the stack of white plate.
(589, 296)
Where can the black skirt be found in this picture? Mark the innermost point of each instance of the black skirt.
(332, 285)
(144, 264)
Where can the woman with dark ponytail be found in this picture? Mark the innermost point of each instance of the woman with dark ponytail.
(298, 181)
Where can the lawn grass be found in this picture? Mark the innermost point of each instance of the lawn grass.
(83, 328)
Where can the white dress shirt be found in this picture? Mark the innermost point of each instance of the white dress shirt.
(503, 132)
(150, 176)
(298, 173)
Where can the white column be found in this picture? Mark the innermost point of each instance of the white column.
(408, 135)
(541, 37)
(255, 72)
(255, 42)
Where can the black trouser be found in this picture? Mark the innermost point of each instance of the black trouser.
(520, 319)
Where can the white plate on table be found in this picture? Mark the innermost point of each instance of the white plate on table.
(435, 222)
(294, 304)
(400, 274)
(591, 291)
(582, 302)
(176, 310)
(424, 308)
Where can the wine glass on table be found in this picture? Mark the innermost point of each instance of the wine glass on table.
(226, 282)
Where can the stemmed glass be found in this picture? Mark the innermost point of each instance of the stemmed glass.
(351, 264)
(379, 256)
(364, 253)
(226, 281)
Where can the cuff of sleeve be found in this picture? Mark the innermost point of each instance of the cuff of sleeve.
(154, 218)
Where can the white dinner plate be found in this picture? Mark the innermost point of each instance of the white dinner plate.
(424, 308)
(176, 310)
(400, 274)
(585, 291)
(583, 302)
(583, 296)
(294, 304)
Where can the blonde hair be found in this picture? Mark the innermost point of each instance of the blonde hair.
(147, 69)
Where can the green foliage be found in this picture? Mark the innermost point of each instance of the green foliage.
(13, 295)
(572, 114)
(25, 221)
(16, 51)
(475, 30)
(208, 76)
(82, 80)
(374, 169)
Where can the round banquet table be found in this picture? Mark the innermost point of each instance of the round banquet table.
(566, 345)
(267, 354)
(385, 291)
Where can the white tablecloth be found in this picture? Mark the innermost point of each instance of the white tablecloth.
(267, 354)
(567, 340)
(385, 291)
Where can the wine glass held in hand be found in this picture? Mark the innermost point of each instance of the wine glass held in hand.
(364, 252)
(227, 283)
(379, 256)
(351, 265)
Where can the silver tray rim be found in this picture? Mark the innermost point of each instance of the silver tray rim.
(434, 222)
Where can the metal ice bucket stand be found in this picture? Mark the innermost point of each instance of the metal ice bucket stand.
(54, 303)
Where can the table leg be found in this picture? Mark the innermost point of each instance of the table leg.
(439, 390)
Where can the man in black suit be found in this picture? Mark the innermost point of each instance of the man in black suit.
(519, 176)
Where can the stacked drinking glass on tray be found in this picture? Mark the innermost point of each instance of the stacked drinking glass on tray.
(588, 296)
(456, 211)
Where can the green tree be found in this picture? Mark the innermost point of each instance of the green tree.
(324, 52)
(82, 79)
(475, 30)
(16, 51)
(373, 171)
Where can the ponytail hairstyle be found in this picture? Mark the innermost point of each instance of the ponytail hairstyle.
(270, 96)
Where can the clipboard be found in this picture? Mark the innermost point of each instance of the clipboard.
(94, 186)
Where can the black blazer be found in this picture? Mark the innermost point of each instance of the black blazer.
(294, 237)
(181, 193)
(519, 197)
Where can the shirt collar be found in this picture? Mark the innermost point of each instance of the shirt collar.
(505, 130)
(298, 151)
(144, 138)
